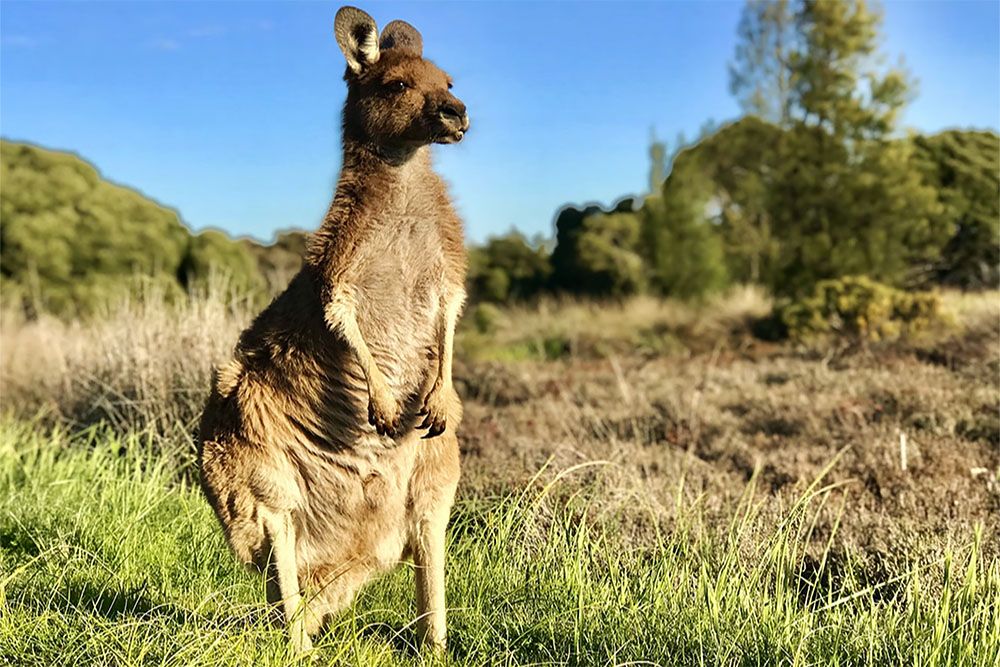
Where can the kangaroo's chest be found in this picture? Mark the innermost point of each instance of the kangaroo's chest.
(403, 259)
(398, 286)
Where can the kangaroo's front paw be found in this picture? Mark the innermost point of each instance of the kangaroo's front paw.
(383, 412)
(434, 412)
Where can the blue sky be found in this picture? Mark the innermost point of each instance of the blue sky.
(230, 111)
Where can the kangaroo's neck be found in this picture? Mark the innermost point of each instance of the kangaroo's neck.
(363, 159)
(374, 178)
(373, 188)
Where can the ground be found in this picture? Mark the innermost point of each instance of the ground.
(642, 484)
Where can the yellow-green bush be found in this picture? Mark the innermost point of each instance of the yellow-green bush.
(487, 317)
(859, 308)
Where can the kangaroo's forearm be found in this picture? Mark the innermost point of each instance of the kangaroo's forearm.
(341, 316)
(446, 339)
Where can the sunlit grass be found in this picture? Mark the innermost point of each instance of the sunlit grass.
(558, 327)
(108, 556)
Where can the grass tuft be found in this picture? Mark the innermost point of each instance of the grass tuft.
(106, 558)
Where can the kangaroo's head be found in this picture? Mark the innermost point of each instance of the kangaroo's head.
(395, 99)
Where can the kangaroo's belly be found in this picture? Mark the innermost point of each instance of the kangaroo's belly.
(354, 514)
(296, 400)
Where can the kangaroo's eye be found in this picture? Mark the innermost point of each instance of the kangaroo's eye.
(450, 85)
(397, 86)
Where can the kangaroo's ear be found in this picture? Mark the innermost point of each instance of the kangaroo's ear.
(402, 36)
(357, 37)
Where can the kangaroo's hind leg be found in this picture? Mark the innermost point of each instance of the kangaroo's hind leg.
(433, 492)
(283, 572)
(428, 559)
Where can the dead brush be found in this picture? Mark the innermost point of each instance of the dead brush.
(142, 365)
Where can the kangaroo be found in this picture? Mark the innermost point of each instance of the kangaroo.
(327, 446)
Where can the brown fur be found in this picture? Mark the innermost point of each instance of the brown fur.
(311, 451)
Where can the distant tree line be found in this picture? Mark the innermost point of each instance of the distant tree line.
(813, 184)
(71, 240)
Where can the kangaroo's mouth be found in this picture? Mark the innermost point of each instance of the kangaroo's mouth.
(451, 130)
(452, 137)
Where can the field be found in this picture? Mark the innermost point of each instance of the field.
(643, 483)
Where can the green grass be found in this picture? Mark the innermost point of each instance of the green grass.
(107, 556)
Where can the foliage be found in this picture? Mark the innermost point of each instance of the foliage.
(70, 239)
(738, 164)
(487, 317)
(508, 267)
(657, 163)
(964, 168)
(72, 242)
(759, 76)
(680, 242)
(860, 309)
(597, 251)
(846, 198)
(212, 254)
(847, 210)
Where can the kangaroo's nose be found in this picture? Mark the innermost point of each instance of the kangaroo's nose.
(453, 110)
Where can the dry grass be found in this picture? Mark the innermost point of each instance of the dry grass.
(144, 365)
(686, 437)
(680, 402)
(643, 325)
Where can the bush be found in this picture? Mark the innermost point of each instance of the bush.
(487, 318)
(212, 256)
(72, 241)
(508, 268)
(597, 251)
(861, 309)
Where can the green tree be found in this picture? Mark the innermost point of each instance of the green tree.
(597, 251)
(739, 161)
(213, 256)
(846, 198)
(759, 75)
(657, 162)
(508, 267)
(71, 240)
(682, 246)
(964, 168)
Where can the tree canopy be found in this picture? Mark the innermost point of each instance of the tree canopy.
(71, 240)
(964, 168)
(69, 237)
